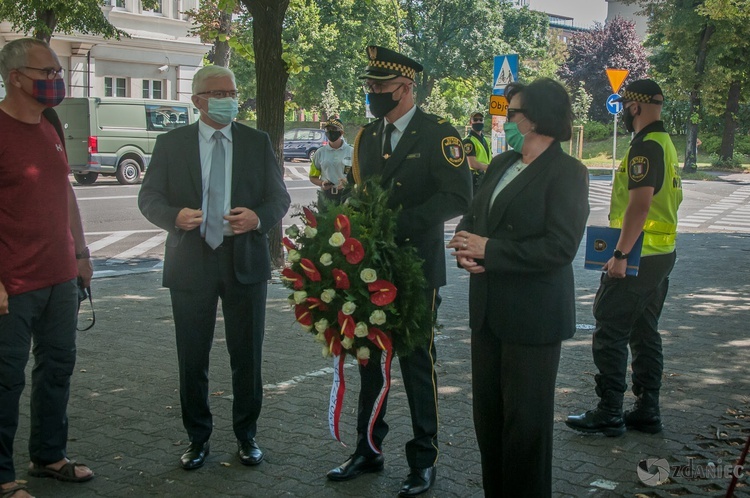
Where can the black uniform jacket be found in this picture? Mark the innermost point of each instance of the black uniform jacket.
(173, 181)
(534, 228)
(430, 179)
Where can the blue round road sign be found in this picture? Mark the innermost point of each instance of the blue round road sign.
(614, 107)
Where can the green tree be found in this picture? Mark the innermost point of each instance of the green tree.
(329, 102)
(41, 18)
(581, 104)
(213, 24)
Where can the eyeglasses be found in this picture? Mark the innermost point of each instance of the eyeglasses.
(221, 94)
(50, 72)
(513, 111)
(378, 87)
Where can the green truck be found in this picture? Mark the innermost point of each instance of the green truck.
(113, 136)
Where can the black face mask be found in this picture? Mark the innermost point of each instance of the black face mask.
(333, 135)
(477, 127)
(627, 120)
(381, 103)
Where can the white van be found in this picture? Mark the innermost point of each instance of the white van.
(115, 136)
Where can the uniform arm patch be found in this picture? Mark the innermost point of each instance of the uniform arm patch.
(453, 151)
(468, 148)
(638, 168)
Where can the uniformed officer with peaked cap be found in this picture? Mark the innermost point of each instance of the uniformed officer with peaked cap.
(420, 156)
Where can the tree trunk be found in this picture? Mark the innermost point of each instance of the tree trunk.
(691, 150)
(221, 48)
(49, 18)
(271, 76)
(730, 121)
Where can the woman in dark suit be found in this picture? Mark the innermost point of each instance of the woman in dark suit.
(518, 242)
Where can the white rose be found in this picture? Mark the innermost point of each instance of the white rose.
(321, 325)
(377, 317)
(299, 297)
(328, 295)
(361, 330)
(311, 232)
(292, 231)
(293, 256)
(348, 308)
(347, 342)
(368, 275)
(326, 259)
(337, 239)
(320, 337)
(325, 351)
(363, 353)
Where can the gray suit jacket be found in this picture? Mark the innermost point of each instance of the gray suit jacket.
(173, 181)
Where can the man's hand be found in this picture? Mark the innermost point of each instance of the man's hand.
(616, 268)
(3, 300)
(242, 220)
(85, 271)
(189, 219)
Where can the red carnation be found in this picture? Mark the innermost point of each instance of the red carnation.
(347, 325)
(288, 243)
(341, 278)
(342, 225)
(310, 217)
(353, 251)
(303, 315)
(382, 292)
(310, 270)
(289, 274)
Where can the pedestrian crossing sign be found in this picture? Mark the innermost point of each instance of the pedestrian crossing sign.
(505, 72)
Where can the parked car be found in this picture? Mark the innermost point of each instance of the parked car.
(115, 136)
(302, 143)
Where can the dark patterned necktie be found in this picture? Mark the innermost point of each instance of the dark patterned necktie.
(387, 150)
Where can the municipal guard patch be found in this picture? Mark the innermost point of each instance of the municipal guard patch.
(468, 147)
(638, 168)
(453, 151)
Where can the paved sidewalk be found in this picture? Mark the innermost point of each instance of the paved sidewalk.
(125, 416)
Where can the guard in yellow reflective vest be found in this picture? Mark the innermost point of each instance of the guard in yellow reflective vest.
(646, 194)
(477, 149)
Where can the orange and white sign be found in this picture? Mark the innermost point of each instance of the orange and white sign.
(616, 77)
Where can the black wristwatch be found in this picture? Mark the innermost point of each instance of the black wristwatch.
(85, 254)
(620, 255)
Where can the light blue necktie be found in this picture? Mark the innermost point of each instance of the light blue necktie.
(215, 206)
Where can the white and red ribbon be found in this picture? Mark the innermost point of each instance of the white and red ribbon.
(385, 369)
(336, 401)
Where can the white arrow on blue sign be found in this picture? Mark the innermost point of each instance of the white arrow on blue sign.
(614, 107)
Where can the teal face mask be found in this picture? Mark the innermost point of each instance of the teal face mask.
(223, 111)
(513, 136)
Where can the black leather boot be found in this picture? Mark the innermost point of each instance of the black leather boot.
(645, 416)
(605, 419)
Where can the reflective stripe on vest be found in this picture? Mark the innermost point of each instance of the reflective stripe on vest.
(660, 227)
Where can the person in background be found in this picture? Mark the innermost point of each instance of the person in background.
(216, 187)
(329, 165)
(646, 194)
(477, 148)
(518, 242)
(43, 251)
(421, 156)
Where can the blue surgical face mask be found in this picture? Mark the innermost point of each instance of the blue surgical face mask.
(513, 136)
(223, 111)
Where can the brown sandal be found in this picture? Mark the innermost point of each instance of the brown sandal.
(65, 473)
(8, 493)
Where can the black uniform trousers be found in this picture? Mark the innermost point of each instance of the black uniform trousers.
(420, 384)
(627, 311)
(244, 311)
(513, 387)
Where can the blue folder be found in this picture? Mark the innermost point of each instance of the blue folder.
(600, 246)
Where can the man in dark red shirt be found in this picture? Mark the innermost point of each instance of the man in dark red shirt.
(42, 252)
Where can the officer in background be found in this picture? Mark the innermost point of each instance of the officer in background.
(477, 148)
(421, 157)
(646, 194)
(330, 164)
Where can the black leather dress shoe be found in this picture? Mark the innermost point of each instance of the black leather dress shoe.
(597, 421)
(356, 466)
(418, 481)
(195, 456)
(249, 452)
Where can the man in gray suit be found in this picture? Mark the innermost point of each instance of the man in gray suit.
(216, 187)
